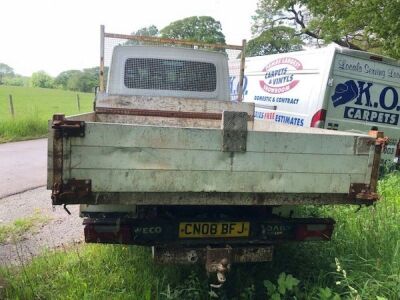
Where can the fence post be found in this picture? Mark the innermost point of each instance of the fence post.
(78, 102)
(10, 100)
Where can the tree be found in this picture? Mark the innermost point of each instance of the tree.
(42, 79)
(5, 71)
(151, 30)
(61, 81)
(385, 24)
(358, 24)
(84, 81)
(16, 80)
(76, 80)
(197, 29)
(81, 82)
(274, 40)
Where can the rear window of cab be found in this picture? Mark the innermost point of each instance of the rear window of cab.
(168, 74)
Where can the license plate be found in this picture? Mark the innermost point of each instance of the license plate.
(213, 229)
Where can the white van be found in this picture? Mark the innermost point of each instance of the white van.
(332, 87)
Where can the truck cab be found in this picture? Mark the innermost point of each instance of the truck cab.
(168, 72)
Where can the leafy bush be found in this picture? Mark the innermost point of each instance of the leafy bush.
(16, 80)
(42, 80)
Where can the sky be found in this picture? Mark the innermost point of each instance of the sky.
(60, 35)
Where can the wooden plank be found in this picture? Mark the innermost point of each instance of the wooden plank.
(173, 104)
(158, 113)
(289, 142)
(261, 125)
(49, 156)
(87, 117)
(159, 121)
(122, 158)
(123, 135)
(215, 181)
(299, 163)
(368, 174)
(67, 158)
(220, 199)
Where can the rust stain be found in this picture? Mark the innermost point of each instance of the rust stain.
(159, 113)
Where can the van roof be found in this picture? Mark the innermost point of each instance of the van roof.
(332, 48)
(364, 54)
(155, 50)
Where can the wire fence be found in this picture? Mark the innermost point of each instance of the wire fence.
(13, 111)
(178, 74)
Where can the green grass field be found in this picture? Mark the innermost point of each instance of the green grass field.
(33, 107)
(361, 262)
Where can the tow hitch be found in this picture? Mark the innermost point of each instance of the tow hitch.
(217, 260)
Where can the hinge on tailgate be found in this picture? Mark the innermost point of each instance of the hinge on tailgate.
(68, 128)
(380, 138)
(362, 191)
(71, 190)
(234, 131)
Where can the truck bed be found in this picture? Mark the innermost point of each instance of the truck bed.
(175, 155)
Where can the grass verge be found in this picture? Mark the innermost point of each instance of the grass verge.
(22, 129)
(91, 272)
(361, 262)
(33, 107)
(15, 231)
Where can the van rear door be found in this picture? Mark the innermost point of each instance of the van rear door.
(286, 88)
(364, 94)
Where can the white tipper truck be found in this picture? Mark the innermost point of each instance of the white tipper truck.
(332, 87)
(167, 160)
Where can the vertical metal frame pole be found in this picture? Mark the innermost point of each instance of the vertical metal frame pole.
(241, 76)
(379, 135)
(101, 70)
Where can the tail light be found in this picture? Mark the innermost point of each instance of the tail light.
(318, 119)
(107, 234)
(314, 232)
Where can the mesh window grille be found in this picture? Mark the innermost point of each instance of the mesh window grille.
(167, 74)
(201, 77)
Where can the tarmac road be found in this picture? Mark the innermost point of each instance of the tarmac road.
(58, 231)
(22, 166)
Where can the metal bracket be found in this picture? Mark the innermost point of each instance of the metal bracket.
(380, 144)
(68, 128)
(234, 131)
(71, 189)
(218, 260)
(362, 191)
(381, 139)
